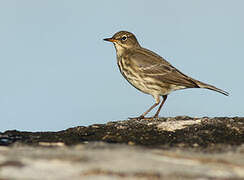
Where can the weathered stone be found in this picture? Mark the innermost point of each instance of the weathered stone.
(165, 148)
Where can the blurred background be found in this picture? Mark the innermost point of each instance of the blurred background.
(56, 71)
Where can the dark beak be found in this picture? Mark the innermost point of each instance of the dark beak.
(110, 39)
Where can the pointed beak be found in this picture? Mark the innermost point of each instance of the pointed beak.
(110, 39)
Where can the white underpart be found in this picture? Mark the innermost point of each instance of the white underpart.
(119, 49)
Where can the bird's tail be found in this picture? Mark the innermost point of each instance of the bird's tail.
(208, 86)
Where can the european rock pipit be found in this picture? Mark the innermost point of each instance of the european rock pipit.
(149, 72)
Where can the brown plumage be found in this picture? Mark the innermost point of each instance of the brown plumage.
(149, 72)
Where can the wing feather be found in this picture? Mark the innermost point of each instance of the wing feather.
(153, 65)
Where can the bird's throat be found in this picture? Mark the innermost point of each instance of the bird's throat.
(119, 50)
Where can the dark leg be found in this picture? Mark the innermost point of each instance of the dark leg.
(161, 105)
(145, 113)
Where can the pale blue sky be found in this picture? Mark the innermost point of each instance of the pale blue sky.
(56, 71)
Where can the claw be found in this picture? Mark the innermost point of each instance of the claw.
(144, 118)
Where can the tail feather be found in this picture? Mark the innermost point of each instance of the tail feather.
(208, 86)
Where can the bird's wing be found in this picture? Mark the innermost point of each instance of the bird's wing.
(155, 66)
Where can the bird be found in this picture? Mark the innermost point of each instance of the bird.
(149, 72)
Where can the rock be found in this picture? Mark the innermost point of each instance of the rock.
(208, 134)
(117, 161)
(165, 148)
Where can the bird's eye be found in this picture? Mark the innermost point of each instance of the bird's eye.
(123, 38)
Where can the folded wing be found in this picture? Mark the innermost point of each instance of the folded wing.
(156, 67)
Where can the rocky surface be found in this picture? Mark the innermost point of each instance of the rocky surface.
(165, 148)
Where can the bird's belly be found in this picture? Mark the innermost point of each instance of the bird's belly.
(140, 84)
(140, 81)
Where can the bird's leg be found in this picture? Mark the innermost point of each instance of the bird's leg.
(153, 106)
(161, 105)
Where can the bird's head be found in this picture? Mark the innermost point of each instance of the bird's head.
(123, 40)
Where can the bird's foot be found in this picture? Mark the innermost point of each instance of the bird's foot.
(149, 118)
(144, 118)
(137, 118)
